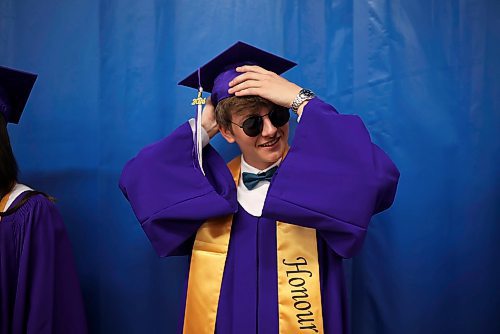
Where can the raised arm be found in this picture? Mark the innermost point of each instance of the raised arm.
(333, 178)
(169, 194)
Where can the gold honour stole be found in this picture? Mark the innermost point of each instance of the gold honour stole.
(299, 295)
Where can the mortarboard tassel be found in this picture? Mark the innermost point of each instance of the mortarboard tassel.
(199, 102)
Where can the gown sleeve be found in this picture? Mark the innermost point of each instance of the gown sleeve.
(333, 179)
(48, 297)
(169, 194)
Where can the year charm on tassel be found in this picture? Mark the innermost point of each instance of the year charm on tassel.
(199, 100)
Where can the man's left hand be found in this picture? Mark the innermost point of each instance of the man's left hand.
(255, 80)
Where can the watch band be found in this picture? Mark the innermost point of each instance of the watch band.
(302, 96)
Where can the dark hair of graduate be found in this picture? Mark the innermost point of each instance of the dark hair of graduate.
(8, 164)
(9, 171)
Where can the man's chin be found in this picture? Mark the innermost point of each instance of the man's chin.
(272, 157)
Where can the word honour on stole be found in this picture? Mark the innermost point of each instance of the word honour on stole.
(298, 275)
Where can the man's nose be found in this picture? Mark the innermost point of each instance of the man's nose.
(268, 130)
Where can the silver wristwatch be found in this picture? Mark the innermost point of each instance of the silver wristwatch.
(302, 96)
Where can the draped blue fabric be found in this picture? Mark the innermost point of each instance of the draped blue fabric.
(423, 75)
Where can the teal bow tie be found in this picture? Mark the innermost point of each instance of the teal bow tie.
(250, 180)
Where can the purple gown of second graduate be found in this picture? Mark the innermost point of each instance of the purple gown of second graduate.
(39, 288)
(333, 179)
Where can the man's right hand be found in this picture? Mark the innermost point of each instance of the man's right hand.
(208, 119)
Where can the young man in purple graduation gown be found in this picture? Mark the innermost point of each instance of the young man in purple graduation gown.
(333, 179)
(39, 288)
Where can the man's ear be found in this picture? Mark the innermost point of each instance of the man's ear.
(227, 134)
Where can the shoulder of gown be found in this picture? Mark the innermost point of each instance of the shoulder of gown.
(48, 289)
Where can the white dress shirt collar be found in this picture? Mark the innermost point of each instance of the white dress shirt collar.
(253, 200)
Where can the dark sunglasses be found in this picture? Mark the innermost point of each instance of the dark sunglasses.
(253, 125)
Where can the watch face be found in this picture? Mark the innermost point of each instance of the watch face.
(306, 93)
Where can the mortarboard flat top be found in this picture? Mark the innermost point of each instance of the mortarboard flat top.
(15, 88)
(215, 75)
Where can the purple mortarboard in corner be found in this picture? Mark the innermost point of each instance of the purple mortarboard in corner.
(15, 88)
(215, 75)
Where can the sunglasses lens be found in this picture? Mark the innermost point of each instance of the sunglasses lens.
(252, 126)
(279, 116)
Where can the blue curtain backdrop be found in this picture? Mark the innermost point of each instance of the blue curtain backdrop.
(423, 75)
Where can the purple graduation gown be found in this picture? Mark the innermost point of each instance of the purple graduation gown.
(333, 179)
(39, 288)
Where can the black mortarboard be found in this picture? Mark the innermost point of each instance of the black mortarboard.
(15, 88)
(215, 75)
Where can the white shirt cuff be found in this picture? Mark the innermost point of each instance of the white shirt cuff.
(205, 139)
